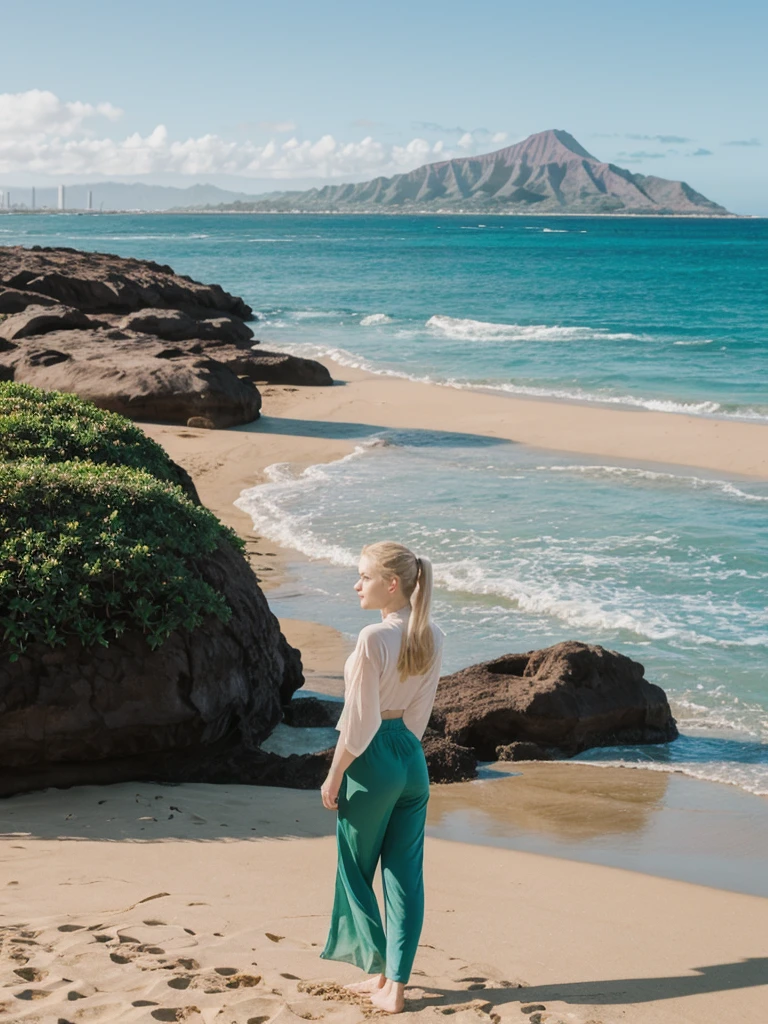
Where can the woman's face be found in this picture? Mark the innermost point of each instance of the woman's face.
(373, 590)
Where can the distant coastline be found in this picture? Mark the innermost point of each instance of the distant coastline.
(187, 212)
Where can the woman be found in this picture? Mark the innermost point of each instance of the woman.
(378, 780)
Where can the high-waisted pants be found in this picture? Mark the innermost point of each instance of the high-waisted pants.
(382, 813)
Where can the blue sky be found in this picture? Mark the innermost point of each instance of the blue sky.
(267, 95)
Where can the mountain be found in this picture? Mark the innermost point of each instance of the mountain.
(549, 172)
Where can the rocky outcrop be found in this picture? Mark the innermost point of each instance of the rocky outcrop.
(136, 375)
(564, 699)
(96, 282)
(99, 714)
(135, 338)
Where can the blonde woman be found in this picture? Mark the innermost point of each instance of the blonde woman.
(378, 780)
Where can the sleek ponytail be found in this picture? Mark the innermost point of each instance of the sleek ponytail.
(417, 651)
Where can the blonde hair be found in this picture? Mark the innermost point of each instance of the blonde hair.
(417, 651)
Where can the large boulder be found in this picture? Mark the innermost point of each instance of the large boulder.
(564, 698)
(136, 375)
(97, 282)
(127, 703)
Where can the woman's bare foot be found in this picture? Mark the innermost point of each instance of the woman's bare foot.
(372, 984)
(390, 997)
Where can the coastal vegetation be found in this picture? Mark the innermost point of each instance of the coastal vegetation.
(58, 427)
(96, 535)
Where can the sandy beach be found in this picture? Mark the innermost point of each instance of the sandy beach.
(146, 902)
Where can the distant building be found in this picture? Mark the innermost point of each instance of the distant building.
(33, 197)
(90, 199)
(62, 198)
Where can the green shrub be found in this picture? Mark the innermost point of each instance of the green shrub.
(92, 550)
(60, 426)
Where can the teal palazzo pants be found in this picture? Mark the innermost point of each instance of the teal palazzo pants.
(382, 814)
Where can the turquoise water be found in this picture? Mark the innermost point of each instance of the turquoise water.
(669, 566)
(666, 314)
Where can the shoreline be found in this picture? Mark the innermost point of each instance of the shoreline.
(309, 426)
(361, 400)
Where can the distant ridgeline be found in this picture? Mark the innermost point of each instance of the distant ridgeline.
(549, 172)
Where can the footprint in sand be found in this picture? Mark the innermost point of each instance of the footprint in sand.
(30, 973)
(32, 993)
(171, 1013)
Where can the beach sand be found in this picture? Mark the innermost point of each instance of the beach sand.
(142, 902)
(152, 902)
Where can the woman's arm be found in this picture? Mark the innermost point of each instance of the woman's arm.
(342, 759)
(361, 716)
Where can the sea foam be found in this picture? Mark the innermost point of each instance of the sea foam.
(465, 329)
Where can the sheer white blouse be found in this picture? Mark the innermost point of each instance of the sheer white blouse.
(372, 683)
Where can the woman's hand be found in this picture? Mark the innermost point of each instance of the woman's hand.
(329, 791)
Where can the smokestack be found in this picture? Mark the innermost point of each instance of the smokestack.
(33, 197)
(90, 199)
(62, 197)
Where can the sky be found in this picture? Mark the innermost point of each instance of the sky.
(262, 96)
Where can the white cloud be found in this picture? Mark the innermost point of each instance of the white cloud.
(499, 137)
(37, 113)
(41, 134)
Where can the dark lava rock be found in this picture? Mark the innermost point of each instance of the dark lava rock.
(132, 374)
(523, 751)
(448, 761)
(42, 320)
(105, 714)
(312, 713)
(95, 282)
(569, 697)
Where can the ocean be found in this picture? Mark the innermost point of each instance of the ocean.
(667, 565)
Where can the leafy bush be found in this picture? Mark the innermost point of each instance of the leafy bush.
(92, 550)
(60, 426)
